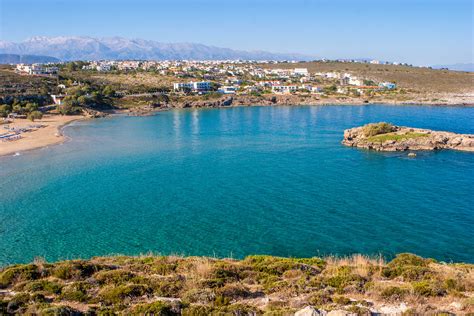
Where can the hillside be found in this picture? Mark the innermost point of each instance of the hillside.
(13, 84)
(267, 285)
(411, 78)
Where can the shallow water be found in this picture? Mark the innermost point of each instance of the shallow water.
(239, 181)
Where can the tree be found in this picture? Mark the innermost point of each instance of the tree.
(108, 91)
(30, 107)
(35, 115)
(82, 100)
(4, 110)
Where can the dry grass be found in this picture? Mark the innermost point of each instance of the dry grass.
(174, 284)
(411, 78)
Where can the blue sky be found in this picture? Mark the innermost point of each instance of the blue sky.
(422, 32)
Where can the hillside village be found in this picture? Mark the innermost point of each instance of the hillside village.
(230, 77)
(89, 87)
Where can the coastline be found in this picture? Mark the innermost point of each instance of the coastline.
(49, 134)
(52, 134)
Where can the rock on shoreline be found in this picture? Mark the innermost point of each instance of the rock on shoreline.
(388, 137)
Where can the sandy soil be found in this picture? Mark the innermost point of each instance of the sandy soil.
(41, 137)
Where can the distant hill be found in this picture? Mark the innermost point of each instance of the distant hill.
(457, 67)
(89, 48)
(413, 78)
(26, 59)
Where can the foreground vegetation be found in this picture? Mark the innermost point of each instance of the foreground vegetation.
(169, 285)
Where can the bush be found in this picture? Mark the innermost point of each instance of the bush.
(116, 277)
(320, 298)
(343, 278)
(341, 300)
(35, 115)
(114, 295)
(75, 270)
(18, 273)
(155, 308)
(409, 266)
(425, 288)
(166, 286)
(59, 311)
(76, 292)
(234, 291)
(197, 295)
(44, 286)
(377, 128)
(278, 266)
(197, 310)
(17, 302)
(393, 293)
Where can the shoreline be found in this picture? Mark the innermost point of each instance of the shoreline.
(52, 133)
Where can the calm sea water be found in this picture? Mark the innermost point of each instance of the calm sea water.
(239, 181)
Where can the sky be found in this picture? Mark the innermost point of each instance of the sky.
(420, 32)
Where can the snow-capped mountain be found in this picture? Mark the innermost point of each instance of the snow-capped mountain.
(90, 48)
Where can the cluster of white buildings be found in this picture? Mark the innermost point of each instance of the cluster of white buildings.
(37, 69)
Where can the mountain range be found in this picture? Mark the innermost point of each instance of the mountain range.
(69, 48)
(26, 59)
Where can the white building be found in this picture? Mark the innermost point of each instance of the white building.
(387, 85)
(284, 89)
(301, 71)
(227, 90)
(200, 86)
(36, 69)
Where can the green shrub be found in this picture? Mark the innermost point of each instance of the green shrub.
(425, 288)
(278, 266)
(197, 310)
(49, 287)
(76, 292)
(320, 298)
(169, 286)
(377, 128)
(156, 308)
(409, 266)
(199, 295)
(59, 311)
(236, 309)
(234, 291)
(408, 259)
(18, 302)
(116, 294)
(75, 270)
(163, 266)
(341, 300)
(35, 115)
(18, 273)
(343, 278)
(116, 277)
(393, 293)
(221, 301)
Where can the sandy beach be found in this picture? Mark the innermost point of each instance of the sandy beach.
(48, 135)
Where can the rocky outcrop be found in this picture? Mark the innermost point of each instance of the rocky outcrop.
(398, 138)
(265, 99)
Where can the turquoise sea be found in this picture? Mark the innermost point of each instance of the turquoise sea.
(238, 181)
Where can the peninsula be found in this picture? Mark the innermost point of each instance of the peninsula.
(387, 137)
